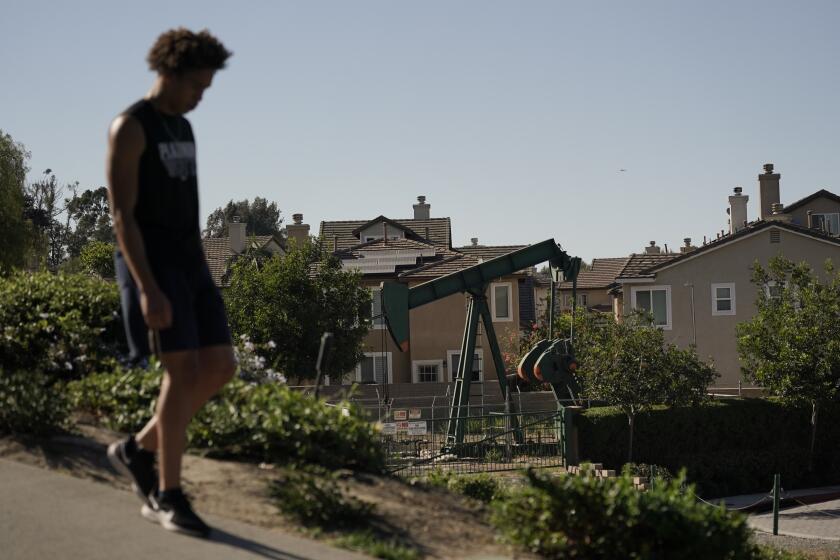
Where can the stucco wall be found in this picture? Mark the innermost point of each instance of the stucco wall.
(730, 263)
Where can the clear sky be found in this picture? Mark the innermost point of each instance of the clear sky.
(513, 118)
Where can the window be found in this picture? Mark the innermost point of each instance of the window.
(723, 299)
(501, 302)
(583, 300)
(428, 371)
(773, 290)
(567, 300)
(375, 367)
(477, 369)
(655, 300)
(377, 318)
(829, 223)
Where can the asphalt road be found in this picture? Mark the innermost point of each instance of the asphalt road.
(44, 514)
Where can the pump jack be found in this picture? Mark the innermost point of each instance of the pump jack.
(399, 299)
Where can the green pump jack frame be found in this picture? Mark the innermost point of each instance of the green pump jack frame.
(399, 299)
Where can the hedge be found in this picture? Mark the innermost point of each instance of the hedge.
(727, 447)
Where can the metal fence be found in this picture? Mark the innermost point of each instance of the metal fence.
(492, 442)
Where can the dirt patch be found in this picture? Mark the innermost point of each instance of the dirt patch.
(437, 523)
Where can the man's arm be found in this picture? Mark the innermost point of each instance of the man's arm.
(126, 143)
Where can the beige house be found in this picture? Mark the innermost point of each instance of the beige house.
(593, 286)
(413, 251)
(699, 295)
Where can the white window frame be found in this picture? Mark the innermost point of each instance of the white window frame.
(667, 288)
(415, 370)
(388, 365)
(583, 300)
(374, 293)
(825, 216)
(496, 318)
(450, 363)
(715, 311)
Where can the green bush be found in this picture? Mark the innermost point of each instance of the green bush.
(587, 517)
(122, 400)
(264, 422)
(482, 486)
(30, 404)
(372, 545)
(63, 325)
(313, 496)
(727, 447)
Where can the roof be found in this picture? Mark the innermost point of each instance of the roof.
(650, 270)
(440, 231)
(218, 253)
(822, 193)
(487, 252)
(600, 274)
(378, 219)
(639, 265)
(447, 263)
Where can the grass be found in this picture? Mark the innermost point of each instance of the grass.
(368, 543)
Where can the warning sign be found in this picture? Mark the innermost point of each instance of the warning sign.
(417, 428)
(389, 429)
(401, 414)
(415, 414)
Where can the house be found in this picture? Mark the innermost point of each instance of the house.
(219, 251)
(415, 250)
(699, 295)
(593, 285)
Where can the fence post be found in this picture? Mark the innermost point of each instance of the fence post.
(776, 485)
(569, 437)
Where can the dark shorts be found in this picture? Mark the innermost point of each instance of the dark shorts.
(198, 312)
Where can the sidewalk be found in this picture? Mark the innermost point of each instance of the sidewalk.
(811, 521)
(44, 514)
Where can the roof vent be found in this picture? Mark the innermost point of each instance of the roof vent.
(298, 218)
(474, 241)
(652, 249)
(768, 168)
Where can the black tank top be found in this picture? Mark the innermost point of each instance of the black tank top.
(167, 192)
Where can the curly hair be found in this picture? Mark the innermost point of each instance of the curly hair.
(179, 50)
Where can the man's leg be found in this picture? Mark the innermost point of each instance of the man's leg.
(216, 366)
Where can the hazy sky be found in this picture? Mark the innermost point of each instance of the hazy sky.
(513, 118)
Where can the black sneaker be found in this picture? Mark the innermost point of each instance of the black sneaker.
(173, 511)
(137, 464)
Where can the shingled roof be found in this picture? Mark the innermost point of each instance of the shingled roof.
(638, 266)
(440, 231)
(487, 252)
(601, 274)
(218, 253)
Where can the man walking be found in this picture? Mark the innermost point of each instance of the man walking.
(170, 304)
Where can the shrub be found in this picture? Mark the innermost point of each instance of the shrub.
(30, 404)
(264, 422)
(122, 400)
(63, 325)
(727, 447)
(586, 517)
(482, 487)
(313, 496)
(370, 544)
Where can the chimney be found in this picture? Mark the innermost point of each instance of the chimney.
(768, 190)
(737, 210)
(688, 247)
(474, 241)
(421, 209)
(298, 230)
(778, 213)
(652, 249)
(236, 231)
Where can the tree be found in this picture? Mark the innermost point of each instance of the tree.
(44, 207)
(91, 216)
(260, 218)
(14, 229)
(792, 345)
(629, 365)
(97, 257)
(288, 302)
